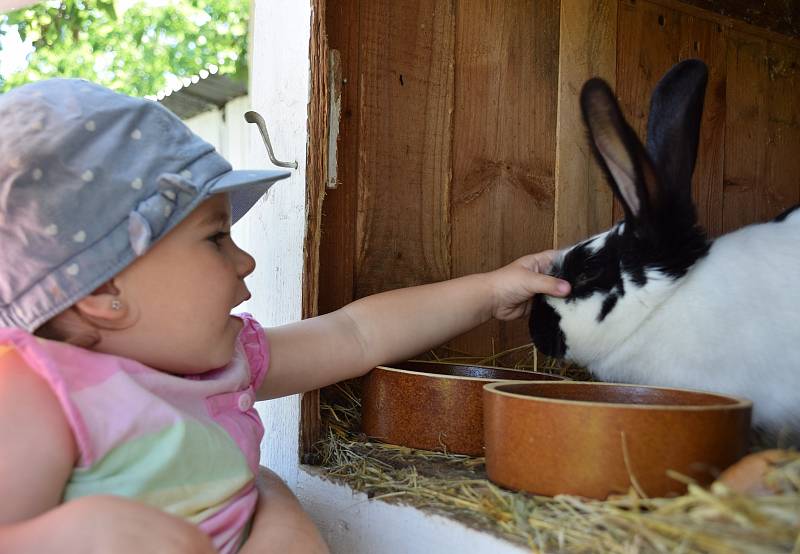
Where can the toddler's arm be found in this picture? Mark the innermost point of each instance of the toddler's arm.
(38, 448)
(395, 325)
(280, 524)
(38, 454)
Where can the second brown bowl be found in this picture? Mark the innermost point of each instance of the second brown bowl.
(597, 439)
(432, 405)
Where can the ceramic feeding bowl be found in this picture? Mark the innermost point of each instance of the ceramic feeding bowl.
(432, 405)
(598, 439)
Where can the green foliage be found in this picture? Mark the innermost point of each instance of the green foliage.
(131, 52)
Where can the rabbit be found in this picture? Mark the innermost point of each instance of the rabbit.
(653, 300)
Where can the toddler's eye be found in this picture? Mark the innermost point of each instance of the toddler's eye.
(217, 238)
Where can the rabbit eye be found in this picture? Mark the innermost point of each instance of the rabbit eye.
(589, 275)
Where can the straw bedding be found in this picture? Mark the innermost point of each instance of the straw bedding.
(713, 520)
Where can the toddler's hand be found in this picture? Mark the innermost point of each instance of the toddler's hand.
(96, 524)
(515, 284)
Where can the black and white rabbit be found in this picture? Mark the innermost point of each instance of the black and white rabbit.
(653, 300)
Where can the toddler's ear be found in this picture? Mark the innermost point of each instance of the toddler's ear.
(105, 308)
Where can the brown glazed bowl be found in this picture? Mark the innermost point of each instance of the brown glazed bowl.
(431, 405)
(596, 439)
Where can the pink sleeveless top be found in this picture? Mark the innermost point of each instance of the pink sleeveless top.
(186, 444)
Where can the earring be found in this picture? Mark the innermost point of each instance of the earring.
(116, 305)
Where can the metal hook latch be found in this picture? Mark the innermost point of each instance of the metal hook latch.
(254, 117)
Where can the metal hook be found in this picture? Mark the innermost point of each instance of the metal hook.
(254, 117)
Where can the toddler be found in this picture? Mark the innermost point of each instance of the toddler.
(126, 387)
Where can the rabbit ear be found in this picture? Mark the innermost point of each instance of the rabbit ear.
(673, 128)
(619, 151)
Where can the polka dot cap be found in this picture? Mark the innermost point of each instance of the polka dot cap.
(89, 180)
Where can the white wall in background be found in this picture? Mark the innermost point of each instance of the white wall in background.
(226, 130)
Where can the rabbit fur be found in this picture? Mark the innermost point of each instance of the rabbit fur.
(653, 300)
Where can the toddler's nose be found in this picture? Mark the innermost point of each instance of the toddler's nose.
(245, 263)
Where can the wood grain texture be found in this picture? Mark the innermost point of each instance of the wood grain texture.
(652, 39)
(762, 166)
(587, 48)
(316, 177)
(503, 144)
(405, 136)
(777, 16)
(782, 182)
(746, 128)
(338, 240)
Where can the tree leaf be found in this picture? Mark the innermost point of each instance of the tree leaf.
(134, 51)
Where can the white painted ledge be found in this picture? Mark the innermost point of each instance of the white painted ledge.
(353, 524)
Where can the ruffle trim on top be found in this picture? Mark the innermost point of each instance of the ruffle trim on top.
(256, 348)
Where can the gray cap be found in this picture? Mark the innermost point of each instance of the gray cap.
(89, 179)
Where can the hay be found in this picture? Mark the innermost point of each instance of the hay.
(715, 520)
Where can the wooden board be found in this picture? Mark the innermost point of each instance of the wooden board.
(746, 128)
(338, 238)
(782, 183)
(782, 16)
(587, 48)
(316, 166)
(503, 144)
(762, 166)
(405, 136)
(651, 39)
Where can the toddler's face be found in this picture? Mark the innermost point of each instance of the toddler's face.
(180, 294)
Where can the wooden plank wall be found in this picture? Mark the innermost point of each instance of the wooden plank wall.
(503, 164)
(405, 139)
(432, 187)
(782, 16)
(587, 48)
(651, 40)
(448, 158)
(338, 238)
(747, 163)
(762, 165)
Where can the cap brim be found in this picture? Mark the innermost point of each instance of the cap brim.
(245, 187)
